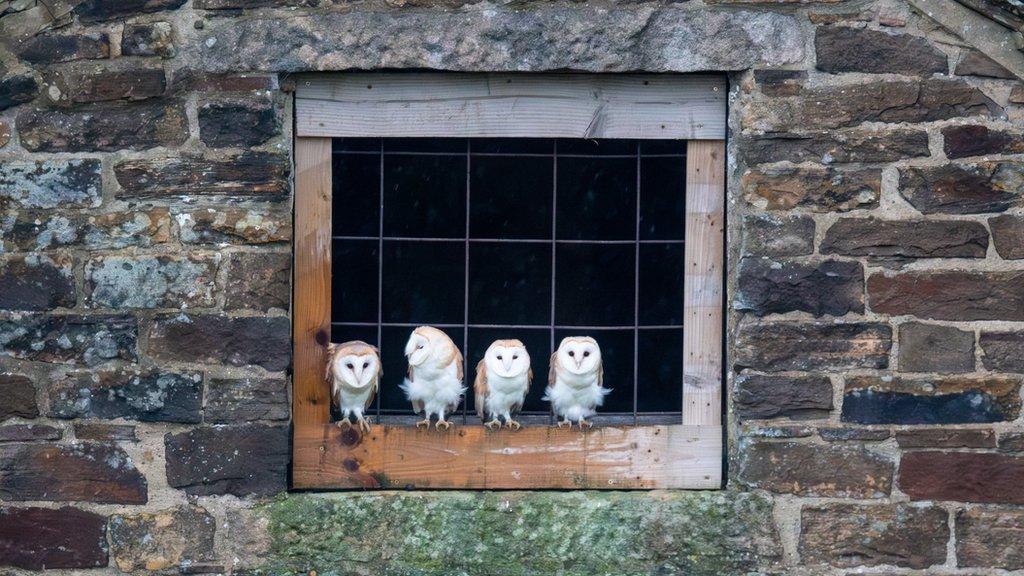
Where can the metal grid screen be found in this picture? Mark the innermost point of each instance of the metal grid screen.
(535, 239)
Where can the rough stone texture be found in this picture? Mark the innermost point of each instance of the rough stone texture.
(240, 460)
(36, 282)
(105, 432)
(837, 146)
(51, 48)
(1002, 351)
(17, 89)
(974, 140)
(775, 236)
(852, 434)
(254, 174)
(990, 538)
(71, 339)
(843, 49)
(818, 189)
(104, 127)
(770, 287)
(1017, 94)
(172, 538)
(153, 396)
(962, 476)
(5, 133)
(215, 339)
(935, 348)
(50, 183)
(238, 122)
(46, 538)
(831, 470)
(93, 84)
(521, 533)
(1011, 442)
(35, 230)
(17, 397)
(258, 280)
(235, 401)
(963, 188)
(234, 226)
(154, 39)
(82, 472)
(949, 295)
(1008, 236)
(943, 400)
(101, 10)
(945, 438)
(848, 535)
(906, 239)
(780, 82)
(28, 433)
(767, 396)
(975, 63)
(151, 281)
(666, 39)
(882, 101)
(780, 346)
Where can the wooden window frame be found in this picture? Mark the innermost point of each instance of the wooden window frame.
(682, 456)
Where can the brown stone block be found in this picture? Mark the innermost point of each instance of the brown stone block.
(962, 477)
(240, 460)
(906, 238)
(780, 346)
(36, 282)
(963, 141)
(988, 537)
(215, 339)
(843, 49)
(104, 127)
(251, 175)
(963, 188)
(768, 396)
(848, 535)
(17, 397)
(835, 146)
(819, 189)
(829, 470)
(1002, 351)
(168, 539)
(51, 48)
(45, 538)
(935, 348)
(1008, 236)
(258, 281)
(945, 438)
(777, 235)
(227, 225)
(949, 295)
(83, 472)
(771, 287)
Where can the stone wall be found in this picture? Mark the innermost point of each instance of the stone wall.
(876, 298)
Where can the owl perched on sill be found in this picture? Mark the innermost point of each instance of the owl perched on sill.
(503, 378)
(575, 381)
(354, 371)
(434, 381)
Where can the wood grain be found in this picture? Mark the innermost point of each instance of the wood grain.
(311, 301)
(510, 105)
(702, 293)
(472, 457)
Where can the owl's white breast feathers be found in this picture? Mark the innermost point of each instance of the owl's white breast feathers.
(439, 390)
(504, 393)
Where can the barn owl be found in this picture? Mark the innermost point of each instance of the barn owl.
(434, 381)
(354, 371)
(503, 377)
(575, 380)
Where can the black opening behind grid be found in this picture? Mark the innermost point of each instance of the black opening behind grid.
(461, 233)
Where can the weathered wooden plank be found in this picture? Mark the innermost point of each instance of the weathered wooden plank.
(702, 293)
(472, 457)
(539, 106)
(311, 303)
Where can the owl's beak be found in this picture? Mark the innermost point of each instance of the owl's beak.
(507, 363)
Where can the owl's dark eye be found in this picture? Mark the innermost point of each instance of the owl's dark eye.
(500, 357)
(366, 364)
(585, 354)
(419, 346)
(350, 366)
(571, 353)
(515, 357)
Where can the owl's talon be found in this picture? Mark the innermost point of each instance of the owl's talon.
(344, 423)
(584, 424)
(364, 424)
(493, 424)
(425, 423)
(442, 424)
(513, 425)
(563, 423)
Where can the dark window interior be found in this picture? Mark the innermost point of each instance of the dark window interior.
(535, 239)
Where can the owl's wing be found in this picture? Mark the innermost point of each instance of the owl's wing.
(551, 371)
(529, 380)
(480, 388)
(458, 365)
(331, 349)
(600, 375)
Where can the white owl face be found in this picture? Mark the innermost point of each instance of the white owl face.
(418, 349)
(356, 370)
(579, 355)
(507, 358)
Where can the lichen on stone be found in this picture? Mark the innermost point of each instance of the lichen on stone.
(520, 533)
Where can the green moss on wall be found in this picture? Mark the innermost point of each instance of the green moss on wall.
(520, 533)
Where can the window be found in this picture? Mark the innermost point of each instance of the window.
(524, 206)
